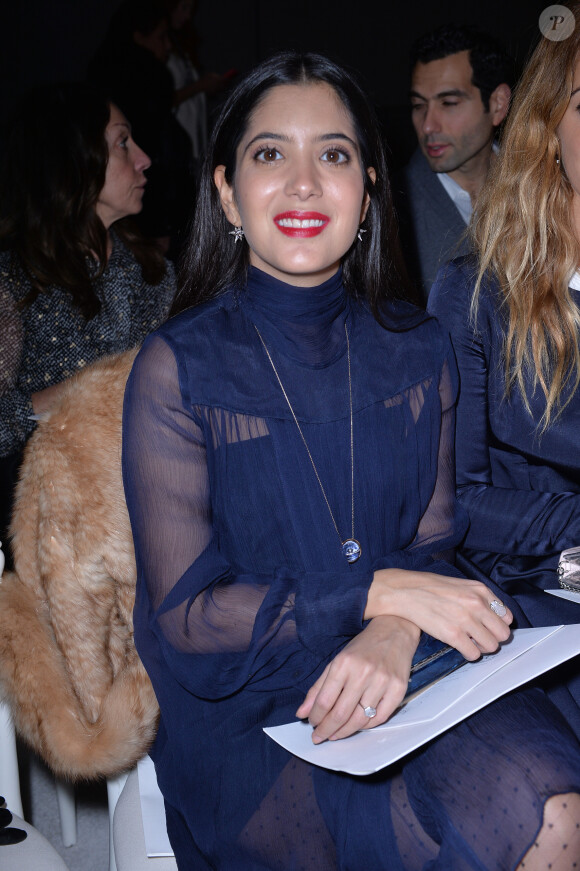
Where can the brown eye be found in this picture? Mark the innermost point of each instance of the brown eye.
(333, 155)
(268, 155)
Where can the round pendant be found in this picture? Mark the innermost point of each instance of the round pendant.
(351, 549)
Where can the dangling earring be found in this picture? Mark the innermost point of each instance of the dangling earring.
(237, 233)
(557, 161)
(359, 234)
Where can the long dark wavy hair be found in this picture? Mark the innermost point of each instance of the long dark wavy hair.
(53, 167)
(372, 269)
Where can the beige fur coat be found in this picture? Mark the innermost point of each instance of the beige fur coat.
(68, 666)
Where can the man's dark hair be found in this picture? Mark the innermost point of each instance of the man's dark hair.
(489, 61)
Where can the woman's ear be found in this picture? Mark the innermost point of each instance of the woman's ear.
(371, 172)
(226, 193)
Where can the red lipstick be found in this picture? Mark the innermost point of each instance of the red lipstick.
(301, 225)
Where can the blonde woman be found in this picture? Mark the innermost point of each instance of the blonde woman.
(514, 319)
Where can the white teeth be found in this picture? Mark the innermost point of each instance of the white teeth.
(297, 224)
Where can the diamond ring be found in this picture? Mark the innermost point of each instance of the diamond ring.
(498, 608)
(370, 712)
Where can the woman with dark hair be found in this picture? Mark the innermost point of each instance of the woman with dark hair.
(288, 441)
(130, 67)
(77, 281)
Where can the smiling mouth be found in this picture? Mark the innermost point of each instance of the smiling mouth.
(301, 224)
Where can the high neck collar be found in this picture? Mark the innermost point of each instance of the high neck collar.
(303, 323)
(286, 302)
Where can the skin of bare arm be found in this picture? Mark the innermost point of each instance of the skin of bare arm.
(455, 610)
(373, 669)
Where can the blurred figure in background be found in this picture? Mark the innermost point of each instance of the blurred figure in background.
(130, 66)
(77, 281)
(191, 88)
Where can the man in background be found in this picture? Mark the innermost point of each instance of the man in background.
(460, 95)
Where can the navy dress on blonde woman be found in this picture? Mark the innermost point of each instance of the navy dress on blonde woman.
(519, 486)
(244, 595)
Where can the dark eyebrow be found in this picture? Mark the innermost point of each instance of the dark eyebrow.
(452, 92)
(327, 137)
(123, 124)
(279, 137)
(574, 92)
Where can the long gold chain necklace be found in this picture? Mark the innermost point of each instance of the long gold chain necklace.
(351, 548)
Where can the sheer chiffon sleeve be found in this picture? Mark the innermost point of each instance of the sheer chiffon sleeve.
(443, 523)
(220, 629)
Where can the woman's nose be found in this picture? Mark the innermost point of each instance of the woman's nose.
(142, 160)
(304, 179)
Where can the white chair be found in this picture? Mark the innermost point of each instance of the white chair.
(10, 779)
(65, 793)
(9, 775)
(65, 796)
(114, 789)
(34, 852)
(129, 849)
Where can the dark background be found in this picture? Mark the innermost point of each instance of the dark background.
(52, 40)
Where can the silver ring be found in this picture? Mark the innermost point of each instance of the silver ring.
(370, 712)
(498, 608)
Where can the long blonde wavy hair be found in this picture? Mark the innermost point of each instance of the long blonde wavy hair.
(524, 234)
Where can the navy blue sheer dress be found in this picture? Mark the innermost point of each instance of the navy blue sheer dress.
(244, 595)
(520, 487)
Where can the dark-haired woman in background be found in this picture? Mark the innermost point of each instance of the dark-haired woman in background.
(288, 466)
(130, 67)
(77, 281)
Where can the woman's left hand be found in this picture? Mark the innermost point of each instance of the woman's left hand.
(372, 670)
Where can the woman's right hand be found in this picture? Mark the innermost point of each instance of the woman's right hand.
(372, 669)
(454, 610)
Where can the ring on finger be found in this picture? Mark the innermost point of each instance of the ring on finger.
(370, 712)
(498, 608)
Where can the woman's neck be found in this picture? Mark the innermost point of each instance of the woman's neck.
(304, 323)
